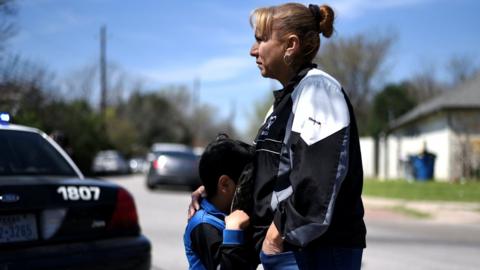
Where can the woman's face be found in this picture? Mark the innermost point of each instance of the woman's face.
(269, 54)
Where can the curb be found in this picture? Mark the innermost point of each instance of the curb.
(439, 212)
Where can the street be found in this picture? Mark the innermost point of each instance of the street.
(393, 242)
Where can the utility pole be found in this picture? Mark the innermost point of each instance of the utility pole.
(231, 118)
(195, 101)
(103, 72)
(195, 93)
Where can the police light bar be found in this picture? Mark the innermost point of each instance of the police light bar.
(4, 118)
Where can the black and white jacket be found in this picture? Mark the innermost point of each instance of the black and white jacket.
(308, 169)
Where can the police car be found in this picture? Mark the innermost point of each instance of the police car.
(51, 217)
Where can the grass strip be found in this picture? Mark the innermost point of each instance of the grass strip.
(423, 191)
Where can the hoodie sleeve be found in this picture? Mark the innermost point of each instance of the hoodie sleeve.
(318, 145)
(220, 250)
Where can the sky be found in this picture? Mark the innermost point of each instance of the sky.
(175, 42)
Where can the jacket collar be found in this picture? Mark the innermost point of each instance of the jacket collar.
(279, 94)
(206, 205)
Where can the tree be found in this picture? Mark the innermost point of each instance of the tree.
(424, 85)
(25, 89)
(7, 26)
(81, 84)
(121, 133)
(389, 104)
(357, 62)
(461, 68)
(155, 119)
(198, 122)
(120, 84)
(82, 127)
(29, 94)
(206, 127)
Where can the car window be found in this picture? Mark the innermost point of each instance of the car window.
(28, 153)
(109, 155)
(183, 155)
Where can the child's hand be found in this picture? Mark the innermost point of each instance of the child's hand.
(237, 220)
(195, 202)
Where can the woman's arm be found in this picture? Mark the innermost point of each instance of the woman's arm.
(196, 197)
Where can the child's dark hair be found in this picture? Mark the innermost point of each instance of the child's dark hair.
(223, 156)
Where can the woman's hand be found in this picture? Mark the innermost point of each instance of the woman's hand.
(237, 220)
(195, 202)
(273, 243)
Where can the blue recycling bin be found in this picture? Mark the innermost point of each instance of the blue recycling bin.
(423, 166)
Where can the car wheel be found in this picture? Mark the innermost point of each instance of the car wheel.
(150, 185)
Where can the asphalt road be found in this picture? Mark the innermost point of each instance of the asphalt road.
(393, 242)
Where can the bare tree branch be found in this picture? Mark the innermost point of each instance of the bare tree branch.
(357, 62)
(7, 27)
(461, 68)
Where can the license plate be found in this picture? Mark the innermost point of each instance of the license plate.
(18, 228)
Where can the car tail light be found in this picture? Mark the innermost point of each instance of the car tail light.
(160, 162)
(125, 215)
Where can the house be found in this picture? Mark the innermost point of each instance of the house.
(447, 126)
(367, 147)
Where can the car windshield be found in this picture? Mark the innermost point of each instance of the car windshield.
(108, 155)
(28, 153)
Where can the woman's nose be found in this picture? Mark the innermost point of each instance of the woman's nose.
(254, 50)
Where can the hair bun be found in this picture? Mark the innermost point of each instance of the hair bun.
(326, 22)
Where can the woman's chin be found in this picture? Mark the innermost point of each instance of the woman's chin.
(265, 73)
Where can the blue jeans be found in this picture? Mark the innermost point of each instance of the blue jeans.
(283, 261)
(318, 258)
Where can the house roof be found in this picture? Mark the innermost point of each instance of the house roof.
(466, 96)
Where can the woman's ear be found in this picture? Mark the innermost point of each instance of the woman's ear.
(293, 45)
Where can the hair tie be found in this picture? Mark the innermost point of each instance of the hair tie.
(315, 10)
(221, 136)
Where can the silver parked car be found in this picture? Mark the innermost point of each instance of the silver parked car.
(110, 162)
(138, 165)
(172, 164)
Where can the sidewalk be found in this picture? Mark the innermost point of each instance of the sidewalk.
(439, 212)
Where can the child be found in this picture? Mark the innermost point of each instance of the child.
(212, 238)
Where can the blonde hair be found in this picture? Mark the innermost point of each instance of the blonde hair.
(297, 19)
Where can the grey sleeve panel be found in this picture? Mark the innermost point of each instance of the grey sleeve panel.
(304, 234)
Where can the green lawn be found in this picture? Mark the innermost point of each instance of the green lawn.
(424, 191)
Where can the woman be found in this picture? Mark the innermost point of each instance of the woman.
(308, 174)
